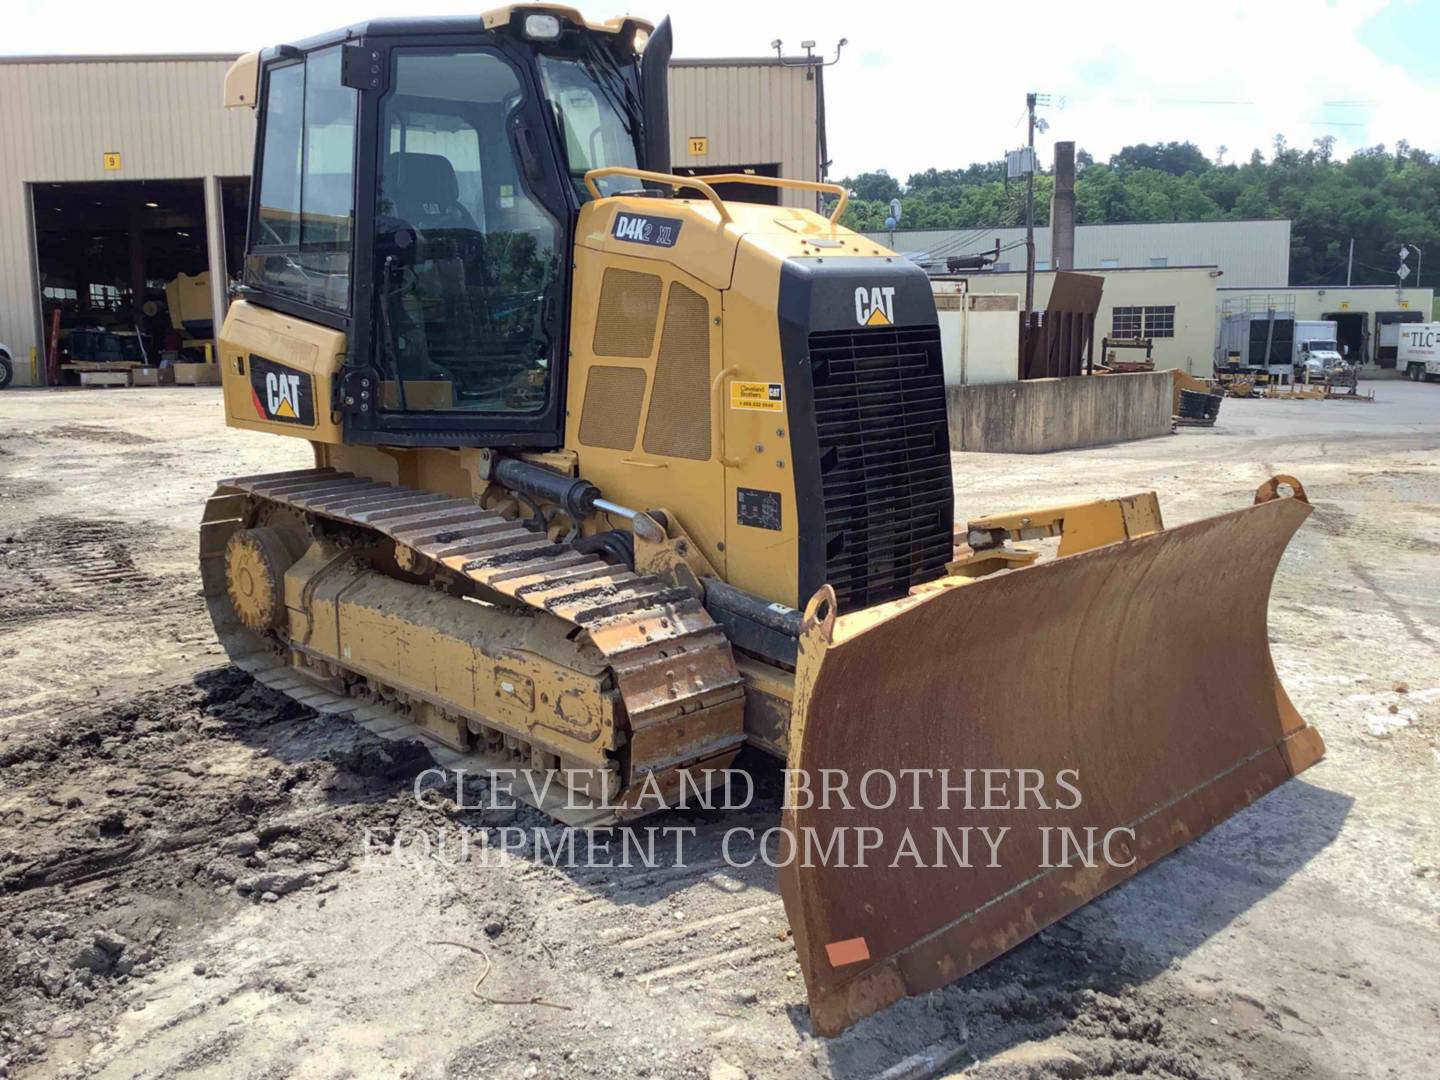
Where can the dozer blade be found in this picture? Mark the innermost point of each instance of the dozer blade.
(1138, 672)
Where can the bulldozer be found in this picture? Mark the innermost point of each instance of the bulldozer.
(613, 477)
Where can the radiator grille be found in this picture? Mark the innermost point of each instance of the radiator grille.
(678, 421)
(884, 454)
(611, 412)
(628, 309)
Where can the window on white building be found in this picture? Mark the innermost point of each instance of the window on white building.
(1152, 321)
(1160, 321)
(1126, 322)
(1159, 260)
(1109, 264)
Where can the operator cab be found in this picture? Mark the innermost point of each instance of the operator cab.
(416, 186)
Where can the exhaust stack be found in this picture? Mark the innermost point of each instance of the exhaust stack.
(1062, 209)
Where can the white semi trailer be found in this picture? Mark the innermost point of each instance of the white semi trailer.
(1417, 352)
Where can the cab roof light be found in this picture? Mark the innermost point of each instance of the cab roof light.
(542, 27)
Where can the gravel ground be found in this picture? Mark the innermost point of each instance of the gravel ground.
(194, 878)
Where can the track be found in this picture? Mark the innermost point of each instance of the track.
(672, 665)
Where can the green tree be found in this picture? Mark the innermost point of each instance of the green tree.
(873, 185)
(1379, 197)
(1175, 158)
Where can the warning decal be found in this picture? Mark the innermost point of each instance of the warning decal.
(765, 397)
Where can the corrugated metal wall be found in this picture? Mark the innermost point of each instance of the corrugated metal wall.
(1250, 253)
(752, 112)
(165, 117)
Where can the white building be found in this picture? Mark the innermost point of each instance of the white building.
(1247, 253)
(1367, 317)
(1173, 306)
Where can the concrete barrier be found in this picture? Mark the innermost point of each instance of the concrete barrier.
(1038, 415)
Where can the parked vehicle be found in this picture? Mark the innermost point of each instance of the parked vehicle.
(1317, 356)
(7, 367)
(1418, 351)
(97, 345)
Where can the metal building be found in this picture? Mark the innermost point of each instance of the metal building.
(1247, 253)
(106, 156)
(1367, 318)
(746, 115)
(120, 172)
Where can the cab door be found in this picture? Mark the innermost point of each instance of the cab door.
(466, 233)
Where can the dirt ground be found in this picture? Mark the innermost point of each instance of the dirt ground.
(185, 888)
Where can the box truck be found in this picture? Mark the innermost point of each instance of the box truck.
(1316, 354)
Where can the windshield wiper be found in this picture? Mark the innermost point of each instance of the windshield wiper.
(601, 66)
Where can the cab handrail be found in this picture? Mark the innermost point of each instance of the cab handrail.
(705, 188)
(660, 178)
(785, 182)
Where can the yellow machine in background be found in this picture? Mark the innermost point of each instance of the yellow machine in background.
(613, 477)
(192, 314)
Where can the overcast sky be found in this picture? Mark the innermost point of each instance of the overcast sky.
(943, 84)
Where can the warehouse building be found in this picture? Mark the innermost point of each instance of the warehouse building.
(122, 175)
(1367, 317)
(1173, 306)
(1248, 254)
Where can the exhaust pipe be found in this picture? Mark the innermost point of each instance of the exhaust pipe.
(655, 94)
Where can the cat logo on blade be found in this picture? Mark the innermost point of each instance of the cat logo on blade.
(281, 393)
(875, 306)
(642, 229)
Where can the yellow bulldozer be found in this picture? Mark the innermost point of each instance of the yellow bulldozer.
(613, 477)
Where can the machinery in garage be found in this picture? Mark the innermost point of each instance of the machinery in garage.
(124, 276)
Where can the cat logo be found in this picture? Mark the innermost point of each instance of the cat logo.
(875, 306)
(282, 395)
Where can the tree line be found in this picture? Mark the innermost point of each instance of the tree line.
(1381, 197)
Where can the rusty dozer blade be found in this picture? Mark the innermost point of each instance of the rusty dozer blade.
(1138, 672)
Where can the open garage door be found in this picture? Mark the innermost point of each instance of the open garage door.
(1352, 333)
(124, 269)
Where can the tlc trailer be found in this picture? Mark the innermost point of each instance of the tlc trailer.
(1417, 352)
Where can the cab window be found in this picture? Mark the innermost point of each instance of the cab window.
(300, 237)
(466, 259)
(594, 111)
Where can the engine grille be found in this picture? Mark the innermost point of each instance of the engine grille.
(884, 460)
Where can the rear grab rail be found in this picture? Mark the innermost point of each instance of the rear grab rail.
(785, 182)
(705, 188)
(659, 178)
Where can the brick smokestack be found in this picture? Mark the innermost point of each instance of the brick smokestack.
(1062, 209)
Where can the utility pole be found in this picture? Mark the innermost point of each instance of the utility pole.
(1350, 262)
(1030, 213)
(815, 74)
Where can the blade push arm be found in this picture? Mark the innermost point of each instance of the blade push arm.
(1080, 526)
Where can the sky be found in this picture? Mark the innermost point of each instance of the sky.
(924, 84)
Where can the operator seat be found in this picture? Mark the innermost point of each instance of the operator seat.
(423, 189)
(440, 307)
